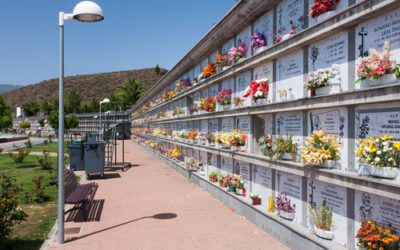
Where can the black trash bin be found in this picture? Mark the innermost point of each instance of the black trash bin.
(94, 158)
(76, 156)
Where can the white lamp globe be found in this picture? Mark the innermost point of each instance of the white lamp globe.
(106, 100)
(88, 11)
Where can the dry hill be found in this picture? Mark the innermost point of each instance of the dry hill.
(93, 85)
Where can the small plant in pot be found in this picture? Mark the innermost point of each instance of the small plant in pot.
(213, 176)
(284, 207)
(322, 219)
(285, 148)
(379, 156)
(321, 150)
(266, 145)
(240, 190)
(223, 181)
(232, 183)
(255, 198)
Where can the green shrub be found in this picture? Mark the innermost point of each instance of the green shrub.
(45, 142)
(44, 161)
(10, 213)
(24, 124)
(28, 144)
(20, 156)
(39, 190)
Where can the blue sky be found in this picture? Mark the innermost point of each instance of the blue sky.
(135, 34)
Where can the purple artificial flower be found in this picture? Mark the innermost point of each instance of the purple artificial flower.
(258, 40)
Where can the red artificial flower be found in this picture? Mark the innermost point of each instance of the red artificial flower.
(380, 71)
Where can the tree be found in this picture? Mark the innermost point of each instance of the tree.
(5, 115)
(47, 107)
(94, 105)
(131, 92)
(73, 102)
(31, 108)
(70, 121)
(24, 124)
(41, 122)
(157, 69)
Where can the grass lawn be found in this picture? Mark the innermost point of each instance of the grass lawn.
(51, 147)
(31, 233)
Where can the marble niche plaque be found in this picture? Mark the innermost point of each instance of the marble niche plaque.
(262, 183)
(243, 123)
(226, 165)
(204, 126)
(374, 32)
(227, 124)
(332, 50)
(244, 37)
(196, 72)
(264, 25)
(290, 123)
(213, 125)
(243, 169)
(213, 90)
(242, 81)
(263, 126)
(212, 163)
(336, 198)
(265, 71)
(196, 97)
(203, 160)
(228, 45)
(332, 121)
(204, 63)
(290, 10)
(196, 154)
(228, 84)
(213, 56)
(373, 207)
(292, 186)
(290, 80)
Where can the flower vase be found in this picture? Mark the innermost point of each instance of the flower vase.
(225, 68)
(330, 164)
(260, 49)
(382, 81)
(327, 235)
(256, 201)
(213, 179)
(287, 157)
(332, 88)
(226, 107)
(239, 191)
(312, 93)
(286, 215)
(381, 172)
(325, 16)
(232, 189)
(260, 101)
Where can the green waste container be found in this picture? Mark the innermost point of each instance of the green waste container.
(94, 158)
(76, 156)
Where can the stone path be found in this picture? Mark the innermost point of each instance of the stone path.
(150, 206)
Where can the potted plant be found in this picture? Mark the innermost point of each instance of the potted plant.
(182, 85)
(255, 198)
(379, 156)
(238, 140)
(258, 42)
(320, 150)
(322, 219)
(323, 9)
(284, 207)
(238, 102)
(240, 190)
(237, 54)
(258, 90)
(210, 104)
(378, 69)
(222, 61)
(324, 82)
(224, 99)
(232, 183)
(266, 145)
(371, 235)
(223, 181)
(192, 164)
(213, 177)
(285, 148)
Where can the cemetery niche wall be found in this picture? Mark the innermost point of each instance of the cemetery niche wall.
(296, 114)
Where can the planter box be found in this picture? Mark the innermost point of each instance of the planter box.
(232, 189)
(330, 164)
(261, 101)
(325, 16)
(256, 201)
(287, 157)
(259, 50)
(287, 216)
(384, 80)
(211, 179)
(239, 191)
(327, 235)
(239, 148)
(331, 89)
(226, 107)
(381, 172)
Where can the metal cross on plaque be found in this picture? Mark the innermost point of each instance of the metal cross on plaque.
(361, 48)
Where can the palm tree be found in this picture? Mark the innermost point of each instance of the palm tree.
(74, 100)
(31, 108)
(47, 107)
(94, 105)
(131, 92)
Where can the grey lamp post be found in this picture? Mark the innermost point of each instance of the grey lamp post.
(106, 100)
(85, 11)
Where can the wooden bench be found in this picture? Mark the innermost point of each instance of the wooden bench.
(80, 195)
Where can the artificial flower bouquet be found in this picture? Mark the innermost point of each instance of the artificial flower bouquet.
(182, 85)
(156, 132)
(210, 104)
(378, 65)
(178, 111)
(200, 104)
(213, 176)
(224, 97)
(320, 7)
(234, 182)
(222, 139)
(238, 102)
(320, 150)
(193, 164)
(380, 156)
(210, 138)
(285, 208)
(192, 135)
(237, 53)
(321, 218)
(371, 236)
(237, 139)
(322, 78)
(193, 109)
(223, 180)
(255, 198)
(208, 71)
(257, 89)
(221, 61)
(258, 40)
(174, 153)
(285, 148)
(266, 145)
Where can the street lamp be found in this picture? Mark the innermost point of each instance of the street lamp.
(106, 100)
(85, 11)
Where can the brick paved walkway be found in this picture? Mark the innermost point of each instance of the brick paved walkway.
(150, 206)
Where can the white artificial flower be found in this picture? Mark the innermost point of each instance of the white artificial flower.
(379, 152)
(377, 159)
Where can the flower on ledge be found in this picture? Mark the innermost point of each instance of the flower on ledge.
(322, 6)
(258, 40)
(208, 70)
(224, 97)
(237, 53)
(257, 89)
